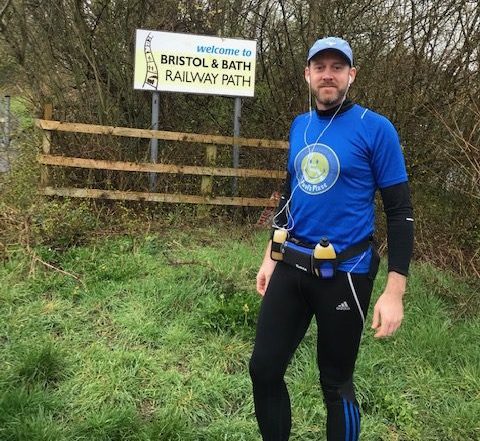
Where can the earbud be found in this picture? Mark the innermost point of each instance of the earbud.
(308, 79)
(350, 80)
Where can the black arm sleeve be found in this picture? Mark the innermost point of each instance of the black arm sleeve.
(280, 219)
(398, 209)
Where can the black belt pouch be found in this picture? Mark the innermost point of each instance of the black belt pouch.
(298, 257)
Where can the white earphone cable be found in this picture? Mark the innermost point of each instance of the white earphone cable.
(301, 179)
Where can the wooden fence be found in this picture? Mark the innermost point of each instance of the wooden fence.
(208, 172)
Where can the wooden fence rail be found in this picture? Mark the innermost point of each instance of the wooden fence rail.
(59, 126)
(157, 168)
(207, 172)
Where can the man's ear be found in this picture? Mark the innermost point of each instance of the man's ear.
(307, 74)
(352, 75)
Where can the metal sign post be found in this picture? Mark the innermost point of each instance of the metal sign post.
(154, 141)
(236, 134)
(4, 133)
(7, 121)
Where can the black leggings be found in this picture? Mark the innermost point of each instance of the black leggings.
(340, 306)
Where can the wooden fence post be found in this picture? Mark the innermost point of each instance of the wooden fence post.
(46, 144)
(207, 181)
(210, 161)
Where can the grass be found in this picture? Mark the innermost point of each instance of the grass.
(154, 342)
(22, 111)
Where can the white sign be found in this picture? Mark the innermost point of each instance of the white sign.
(194, 63)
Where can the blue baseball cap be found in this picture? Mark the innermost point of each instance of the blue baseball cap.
(331, 43)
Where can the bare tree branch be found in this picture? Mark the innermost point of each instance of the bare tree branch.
(4, 8)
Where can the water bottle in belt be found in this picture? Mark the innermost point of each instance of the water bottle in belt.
(324, 259)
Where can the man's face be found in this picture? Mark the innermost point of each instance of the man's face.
(328, 73)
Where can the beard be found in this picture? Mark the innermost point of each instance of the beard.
(331, 98)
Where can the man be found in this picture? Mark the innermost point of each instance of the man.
(340, 154)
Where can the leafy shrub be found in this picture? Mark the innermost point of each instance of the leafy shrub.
(19, 186)
(60, 223)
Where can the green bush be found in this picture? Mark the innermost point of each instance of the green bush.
(61, 223)
(19, 187)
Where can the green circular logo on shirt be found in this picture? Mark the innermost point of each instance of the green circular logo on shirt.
(317, 168)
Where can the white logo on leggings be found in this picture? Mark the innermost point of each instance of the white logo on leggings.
(343, 307)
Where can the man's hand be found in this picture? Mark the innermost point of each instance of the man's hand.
(265, 271)
(388, 311)
(264, 274)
